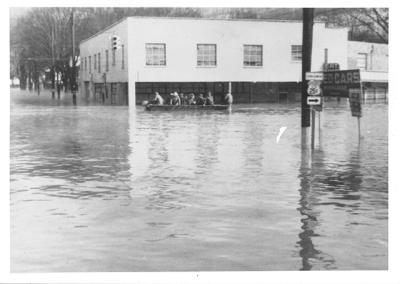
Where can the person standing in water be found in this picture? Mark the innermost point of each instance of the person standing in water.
(209, 99)
(228, 99)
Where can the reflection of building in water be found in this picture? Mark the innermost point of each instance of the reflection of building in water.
(253, 153)
(324, 184)
(165, 163)
(208, 135)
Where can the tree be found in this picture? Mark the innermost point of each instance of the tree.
(365, 24)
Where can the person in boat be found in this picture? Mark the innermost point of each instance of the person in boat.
(168, 99)
(209, 99)
(157, 100)
(228, 99)
(200, 100)
(175, 99)
(182, 96)
(191, 100)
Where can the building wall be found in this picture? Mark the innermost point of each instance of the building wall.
(181, 37)
(377, 55)
(99, 43)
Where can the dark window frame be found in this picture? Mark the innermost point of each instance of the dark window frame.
(151, 58)
(250, 56)
(211, 63)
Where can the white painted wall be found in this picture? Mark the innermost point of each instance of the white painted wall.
(181, 37)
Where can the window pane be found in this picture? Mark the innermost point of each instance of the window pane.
(252, 55)
(155, 54)
(296, 53)
(206, 54)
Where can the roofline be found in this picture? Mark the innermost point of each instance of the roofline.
(103, 30)
(192, 18)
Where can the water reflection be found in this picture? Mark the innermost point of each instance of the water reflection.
(309, 197)
(325, 183)
(144, 191)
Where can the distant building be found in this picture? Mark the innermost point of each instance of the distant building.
(261, 59)
(372, 60)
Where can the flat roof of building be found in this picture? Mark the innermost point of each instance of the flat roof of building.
(193, 18)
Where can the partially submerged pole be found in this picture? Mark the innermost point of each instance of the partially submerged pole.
(312, 128)
(73, 83)
(308, 22)
(53, 73)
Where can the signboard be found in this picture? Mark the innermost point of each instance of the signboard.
(315, 100)
(315, 76)
(331, 66)
(313, 89)
(338, 83)
(355, 101)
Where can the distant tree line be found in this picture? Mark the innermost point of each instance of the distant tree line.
(41, 37)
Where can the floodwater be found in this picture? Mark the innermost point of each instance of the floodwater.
(98, 188)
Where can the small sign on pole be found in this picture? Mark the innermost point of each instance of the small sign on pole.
(315, 76)
(313, 101)
(355, 102)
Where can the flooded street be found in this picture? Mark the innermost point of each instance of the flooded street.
(97, 188)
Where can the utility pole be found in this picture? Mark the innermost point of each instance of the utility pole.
(53, 73)
(308, 22)
(73, 77)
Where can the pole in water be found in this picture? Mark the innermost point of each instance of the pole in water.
(319, 124)
(308, 22)
(359, 128)
(312, 127)
(73, 85)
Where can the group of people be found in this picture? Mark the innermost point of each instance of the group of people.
(188, 99)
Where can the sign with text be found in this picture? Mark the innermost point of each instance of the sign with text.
(337, 83)
(315, 76)
(355, 100)
(331, 66)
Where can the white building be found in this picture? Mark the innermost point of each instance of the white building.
(372, 60)
(261, 58)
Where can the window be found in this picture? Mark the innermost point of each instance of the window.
(297, 53)
(99, 63)
(113, 57)
(85, 68)
(123, 57)
(206, 55)
(90, 64)
(362, 61)
(106, 60)
(94, 62)
(252, 55)
(155, 54)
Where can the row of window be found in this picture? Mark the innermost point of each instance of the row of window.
(87, 61)
(206, 56)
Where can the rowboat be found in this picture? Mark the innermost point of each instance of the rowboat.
(151, 107)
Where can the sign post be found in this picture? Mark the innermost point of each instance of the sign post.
(314, 98)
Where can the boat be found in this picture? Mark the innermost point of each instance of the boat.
(151, 107)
